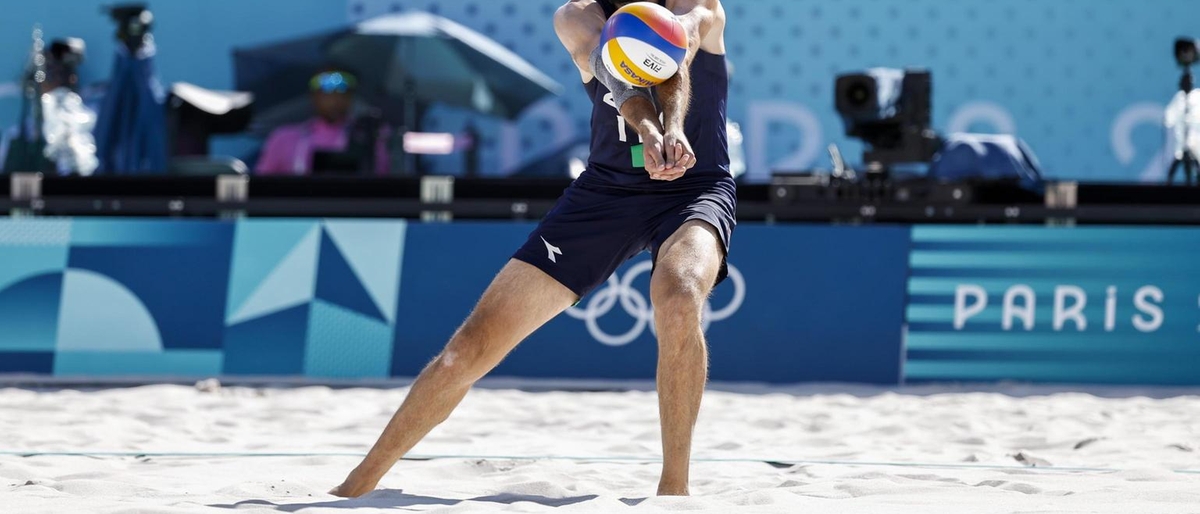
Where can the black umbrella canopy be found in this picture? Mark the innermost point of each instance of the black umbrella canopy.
(402, 61)
(279, 72)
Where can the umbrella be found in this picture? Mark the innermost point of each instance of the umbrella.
(402, 61)
(131, 126)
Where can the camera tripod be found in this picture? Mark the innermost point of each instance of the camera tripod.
(1185, 158)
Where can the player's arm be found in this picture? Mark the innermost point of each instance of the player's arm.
(698, 17)
(578, 24)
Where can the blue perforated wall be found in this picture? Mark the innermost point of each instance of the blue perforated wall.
(1083, 81)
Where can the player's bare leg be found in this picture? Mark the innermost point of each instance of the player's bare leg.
(519, 300)
(687, 267)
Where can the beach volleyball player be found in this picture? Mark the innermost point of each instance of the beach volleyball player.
(657, 180)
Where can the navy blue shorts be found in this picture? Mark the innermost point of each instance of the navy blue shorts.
(592, 230)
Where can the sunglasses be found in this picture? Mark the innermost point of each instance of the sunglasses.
(333, 82)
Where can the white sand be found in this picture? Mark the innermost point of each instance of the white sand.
(1145, 438)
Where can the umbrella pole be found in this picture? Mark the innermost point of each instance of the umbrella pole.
(409, 165)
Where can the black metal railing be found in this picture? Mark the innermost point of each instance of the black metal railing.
(530, 199)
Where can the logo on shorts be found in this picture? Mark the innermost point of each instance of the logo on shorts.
(620, 290)
(551, 250)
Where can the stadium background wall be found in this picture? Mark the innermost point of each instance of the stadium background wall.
(372, 299)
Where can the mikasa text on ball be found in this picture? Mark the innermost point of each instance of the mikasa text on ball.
(643, 44)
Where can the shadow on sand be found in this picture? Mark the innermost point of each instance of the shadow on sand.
(394, 498)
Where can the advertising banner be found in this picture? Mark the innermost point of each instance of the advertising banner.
(1086, 305)
(802, 303)
(355, 299)
(113, 297)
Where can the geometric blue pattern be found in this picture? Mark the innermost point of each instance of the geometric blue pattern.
(136, 284)
(21, 262)
(168, 297)
(346, 344)
(374, 249)
(27, 362)
(180, 279)
(260, 249)
(29, 313)
(269, 345)
(140, 309)
(106, 232)
(321, 298)
(291, 279)
(171, 363)
(291, 282)
(35, 233)
(143, 309)
(338, 284)
(97, 313)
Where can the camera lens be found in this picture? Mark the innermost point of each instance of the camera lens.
(1186, 51)
(858, 94)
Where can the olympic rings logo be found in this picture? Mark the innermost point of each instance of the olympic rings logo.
(621, 290)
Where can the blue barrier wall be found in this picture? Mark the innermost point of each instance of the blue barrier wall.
(1084, 82)
(372, 299)
(112, 297)
(1101, 305)
(767, 323)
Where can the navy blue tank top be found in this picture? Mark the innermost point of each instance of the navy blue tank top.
(614, 142)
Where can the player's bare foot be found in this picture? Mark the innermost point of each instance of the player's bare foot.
(664, 490)
(350, 490)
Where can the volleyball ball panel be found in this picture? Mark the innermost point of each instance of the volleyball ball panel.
(643, 44)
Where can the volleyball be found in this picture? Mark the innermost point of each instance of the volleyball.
(643, 44)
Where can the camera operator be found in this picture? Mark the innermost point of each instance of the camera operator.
(290, 149)
(63, 142)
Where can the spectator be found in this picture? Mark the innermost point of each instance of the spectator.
(289, 150)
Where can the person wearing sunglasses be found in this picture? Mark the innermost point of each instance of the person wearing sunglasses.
(290, 148)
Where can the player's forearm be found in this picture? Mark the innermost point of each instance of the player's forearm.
(642, 116)
(676, 96)
(696, 18)
(676, 93)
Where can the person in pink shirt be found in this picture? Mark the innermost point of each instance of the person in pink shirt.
(289, 149)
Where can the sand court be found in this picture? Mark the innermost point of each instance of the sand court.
(821, 448)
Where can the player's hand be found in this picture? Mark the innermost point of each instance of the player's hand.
(652, 154)
(678, 153)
